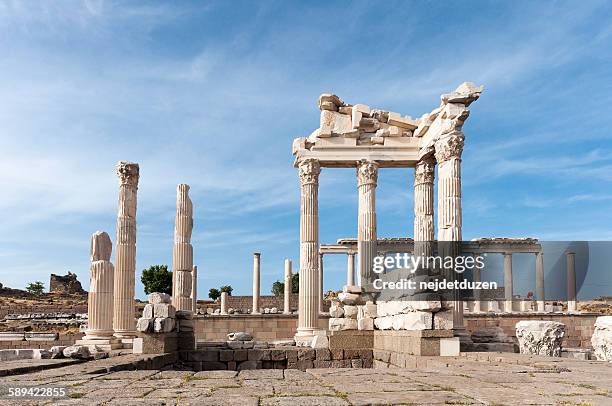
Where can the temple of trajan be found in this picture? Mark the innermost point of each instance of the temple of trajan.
(367, 327)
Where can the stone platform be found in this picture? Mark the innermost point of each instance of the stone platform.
(470, 379)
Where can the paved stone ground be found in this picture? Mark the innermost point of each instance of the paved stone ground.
(485, 378)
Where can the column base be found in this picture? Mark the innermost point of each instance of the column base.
(126, 337)
(304, 336)
(107, 344)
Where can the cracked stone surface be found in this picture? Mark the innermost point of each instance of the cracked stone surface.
(470, 379)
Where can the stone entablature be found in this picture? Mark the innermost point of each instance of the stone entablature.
(349, 133)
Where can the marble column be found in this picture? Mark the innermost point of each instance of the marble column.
(100, 301)
(448, 150)
(223, 302)
(350, 269)
(508, 289)
(477, 302)
(124, 322)
(367, 178)
(182, 254)
(571, 281)
(541, 298)
(288, 287)
(424, 207)
(321, 294)
(194, 289)
(309, 170)
(256, 282)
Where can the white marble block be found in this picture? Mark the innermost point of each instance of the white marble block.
(540, 337)
(338, 324)
(164, 310)
(602, 338)
(164, 325)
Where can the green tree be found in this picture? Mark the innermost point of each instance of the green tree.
(278, 287)
(157, 279)
(36, 288)
(226, 288)
(214, 293)
(295, 283)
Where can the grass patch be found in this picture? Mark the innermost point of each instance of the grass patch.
(76, 395)
(586, 385)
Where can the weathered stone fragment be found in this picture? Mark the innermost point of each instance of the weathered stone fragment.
(540, 337)
(157, 298)
(163, 325)
(602, 338)
(338, 324)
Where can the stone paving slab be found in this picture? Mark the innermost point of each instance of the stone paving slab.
(475, 380)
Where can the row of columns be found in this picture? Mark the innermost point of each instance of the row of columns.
(540, 294)
(447, 152)
(111, 298)
(257, 283)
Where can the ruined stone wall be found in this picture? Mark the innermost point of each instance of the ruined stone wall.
(263, 327)
(578, 328)
(38, 307)
(246, 302)
(37, 341)
(65, 284)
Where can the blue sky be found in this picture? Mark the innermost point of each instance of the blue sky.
(213, 93)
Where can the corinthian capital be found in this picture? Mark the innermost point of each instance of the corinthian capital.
(367, 172)
(424, 171)
(309, 170)
(451, 146)
(128, 173)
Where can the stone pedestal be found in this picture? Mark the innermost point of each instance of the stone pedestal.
(182, 254)
(100, 301)
(540, 337)
(124, 322)
(367, 177)
(423, 343)
(161, 343)
(256, 282)
(288, 287)
(602, 338)
(309, 170)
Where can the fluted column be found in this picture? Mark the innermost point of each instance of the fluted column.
(256, 282)
(288, 287)
(367, 178)
(194, 289)
(182, 254)
(508, 289)
(448, 152)
(571, 281)
(309, 170)
(350, 269)
(223, 302)
(124, 323)
(424, 207)
(477, 301)
(540, 281)
(100, 300)
(321, 294)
